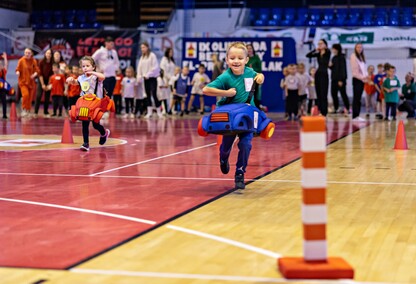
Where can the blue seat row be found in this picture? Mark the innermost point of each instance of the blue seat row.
(68, 19)
(332, 17)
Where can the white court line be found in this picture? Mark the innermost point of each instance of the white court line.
(179, 275)
(118, 216)
(211, 179)
(124, 217)
(226, 241)
(213, 277)
(154, 159)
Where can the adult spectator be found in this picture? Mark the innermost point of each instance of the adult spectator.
(408, 96)
(167, 64)
(218, 67)
(255, 63)
(45, 72)
(147, 71)
(323, 55)
(338, 66)
(359, 77)
(26, 71)
(107, 61)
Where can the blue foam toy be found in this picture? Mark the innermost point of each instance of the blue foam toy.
(232, 119)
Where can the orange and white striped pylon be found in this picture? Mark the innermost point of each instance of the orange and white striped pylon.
(315, 264)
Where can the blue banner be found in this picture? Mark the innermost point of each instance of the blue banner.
(275, 54)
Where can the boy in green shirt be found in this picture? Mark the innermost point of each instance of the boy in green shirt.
(391, 85)
(235, 83)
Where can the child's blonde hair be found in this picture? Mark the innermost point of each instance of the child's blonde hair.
(87, 58)
(238, 44)
(130, 68)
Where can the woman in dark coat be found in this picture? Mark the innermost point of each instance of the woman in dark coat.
(338, 67)
(323, 55)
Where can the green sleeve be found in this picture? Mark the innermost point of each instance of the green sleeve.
(257, 66)
(217, 83)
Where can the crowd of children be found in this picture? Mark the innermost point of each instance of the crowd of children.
(383, 92)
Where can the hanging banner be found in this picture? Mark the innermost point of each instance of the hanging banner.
(21, 40)
(76, 44)
(275, 53)
(383, 37)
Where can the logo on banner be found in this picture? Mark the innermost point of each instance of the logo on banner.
(190, 50)
(357, 38)
(277, 49)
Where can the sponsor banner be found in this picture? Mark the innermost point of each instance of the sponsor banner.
(76, 44)
(275, 53)
(383, 37)
(160, 41)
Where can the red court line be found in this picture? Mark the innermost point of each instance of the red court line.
(54, 238)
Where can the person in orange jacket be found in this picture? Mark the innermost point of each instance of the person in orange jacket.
(27, 70)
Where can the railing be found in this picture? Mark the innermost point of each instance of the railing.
(17, 5)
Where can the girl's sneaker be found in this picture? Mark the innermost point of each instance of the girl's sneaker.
(103, 138)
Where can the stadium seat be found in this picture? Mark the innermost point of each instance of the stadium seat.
(354, 18)
(288, 17)
(380, 20)
(341, 17)
(327, 17)
(314, 17)
(58, 19)
(259, 23)
(367, 17)
(263, 14)
(407, 21)
(301, 17)
(407, 11)
(277, 14)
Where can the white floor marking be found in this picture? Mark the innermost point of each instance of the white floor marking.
(154, 159)
(213, 277)
(211, 179)
(226, 241)
(118, 216)
(179, 275)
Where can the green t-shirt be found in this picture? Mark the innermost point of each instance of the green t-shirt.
(242, 84)
(409, 92)
(255, 63)
(391, 97)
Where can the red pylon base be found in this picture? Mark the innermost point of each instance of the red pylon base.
(298, 268)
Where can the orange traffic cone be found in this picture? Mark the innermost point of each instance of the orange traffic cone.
(315, 111)
(13, 115)
(67, 133)
(401, 142)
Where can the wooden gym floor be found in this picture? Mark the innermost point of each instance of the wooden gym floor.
(151, 206)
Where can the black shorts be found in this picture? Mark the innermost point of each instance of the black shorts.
(178, 98)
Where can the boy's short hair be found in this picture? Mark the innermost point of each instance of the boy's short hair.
(237, 44)
(380, 65)
(386, 66)
(301, 65)
(201, 65)
(55, 65)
